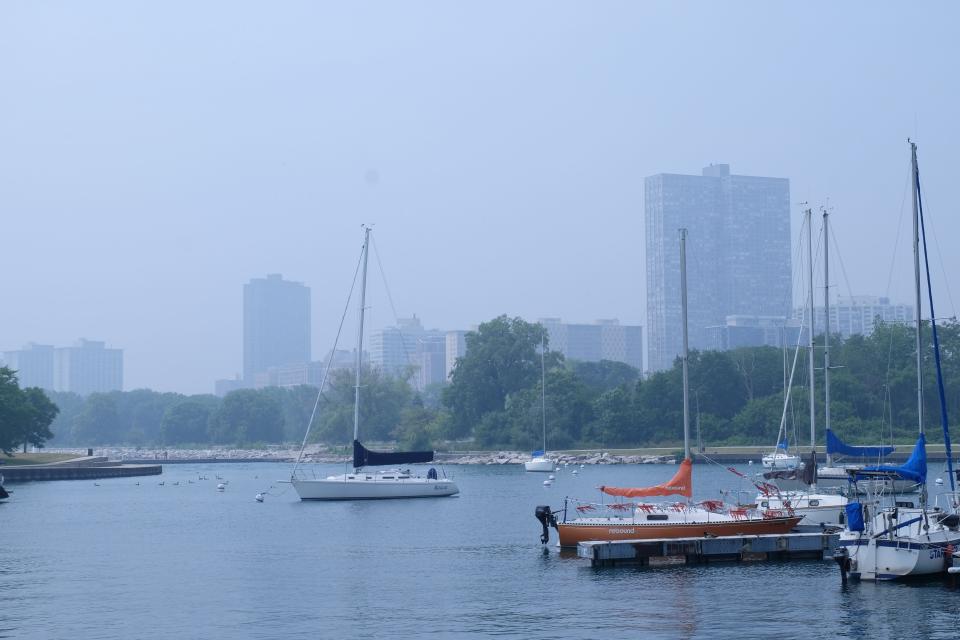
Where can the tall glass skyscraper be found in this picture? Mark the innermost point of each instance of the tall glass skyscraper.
(738, 254)
(276, 324)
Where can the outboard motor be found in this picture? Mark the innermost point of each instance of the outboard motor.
(547, 519)
(842, 557)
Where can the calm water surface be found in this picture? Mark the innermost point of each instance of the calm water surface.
(124, 560)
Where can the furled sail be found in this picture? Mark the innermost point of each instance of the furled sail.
(913, 469)
(363, 457)
(836, 445)
(681, 484)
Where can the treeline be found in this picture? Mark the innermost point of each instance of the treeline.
(494, 400)
(25, 414)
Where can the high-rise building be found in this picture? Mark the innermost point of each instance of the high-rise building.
(738, 254)
(276, 325)
(456, 347)
(33, 364)
(603, 340)
(87, 367)
(853, 315)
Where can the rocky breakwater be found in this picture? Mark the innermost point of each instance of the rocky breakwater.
(515, 457)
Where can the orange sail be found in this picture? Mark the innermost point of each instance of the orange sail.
(681, 484)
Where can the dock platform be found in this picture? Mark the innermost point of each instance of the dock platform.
(685, 551)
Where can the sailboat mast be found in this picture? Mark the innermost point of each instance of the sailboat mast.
(916, 273)
(543, 389)
(826, 325)
(810, 359)
(683, 311)
(363, 304)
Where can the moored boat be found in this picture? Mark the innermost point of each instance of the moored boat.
(636, 521)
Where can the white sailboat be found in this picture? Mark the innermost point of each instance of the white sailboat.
(887, 538)
(540, 461)
(818, 509)
(370, 485)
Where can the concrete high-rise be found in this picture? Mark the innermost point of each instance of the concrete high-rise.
(602, 340)
(738, 254)
(87, 367)
(33, 364)
(276, 324)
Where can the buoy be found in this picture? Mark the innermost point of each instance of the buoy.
(547, 483)
(221, 487)
(160, 483)
(939, 482)
(97, 484)
(574, 472)
(749, 461)
(259, 497)
(552, 477)
(581, 466)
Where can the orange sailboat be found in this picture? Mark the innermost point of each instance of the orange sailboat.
(582, 521)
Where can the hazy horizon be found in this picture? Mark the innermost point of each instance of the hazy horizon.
(154, 158)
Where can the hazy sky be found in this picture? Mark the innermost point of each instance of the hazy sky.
(156, 156)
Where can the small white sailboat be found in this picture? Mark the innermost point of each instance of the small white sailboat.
(368, 485)
(540, 461)
(886, 537)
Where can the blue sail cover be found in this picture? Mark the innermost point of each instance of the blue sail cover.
(538, 453)
(783, 444)
(836, 445)
(913, 469)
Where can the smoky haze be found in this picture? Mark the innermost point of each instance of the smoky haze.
(154, 157)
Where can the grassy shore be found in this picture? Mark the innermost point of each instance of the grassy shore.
(33, 458)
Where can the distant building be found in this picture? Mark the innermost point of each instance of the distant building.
(33, 364)
(87, 367)
(408, 348)
(603, 340)
(754, 331)
(431, 360)
(858, 315)
(227, 385)
(738, 254)
(276, 325)
(456, 347)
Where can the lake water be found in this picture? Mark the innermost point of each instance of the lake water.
(124, 560)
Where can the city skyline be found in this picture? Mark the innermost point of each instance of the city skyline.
(140, 183)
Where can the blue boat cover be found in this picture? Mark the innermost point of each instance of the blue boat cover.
(783, 444)
(537, 453)
(836, 445)
(854, 516)
(913, 469)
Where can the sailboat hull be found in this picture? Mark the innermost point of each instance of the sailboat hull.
(902, 557)
(610, 529)
(540, 464)
(372, 487)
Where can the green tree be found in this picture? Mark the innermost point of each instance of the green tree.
(502, 358)
(98, 422)
(25, 414)
(382, 400)
(186, 422)
(247, 416)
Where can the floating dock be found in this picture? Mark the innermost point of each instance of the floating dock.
(685, 551)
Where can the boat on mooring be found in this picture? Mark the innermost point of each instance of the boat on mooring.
(580, 521)
(361, 484)
(887, 537)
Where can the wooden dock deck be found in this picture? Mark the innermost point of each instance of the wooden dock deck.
(686, 551)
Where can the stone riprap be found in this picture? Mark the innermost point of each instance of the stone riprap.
(320, 454)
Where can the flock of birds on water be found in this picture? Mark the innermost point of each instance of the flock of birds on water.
(221, 486)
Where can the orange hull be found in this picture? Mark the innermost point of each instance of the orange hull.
(572, 534)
